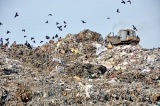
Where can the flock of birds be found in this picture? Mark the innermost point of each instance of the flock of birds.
(60, 26)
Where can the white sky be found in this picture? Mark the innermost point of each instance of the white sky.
(33, 14)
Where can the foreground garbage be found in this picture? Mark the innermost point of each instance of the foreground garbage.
(80, 71)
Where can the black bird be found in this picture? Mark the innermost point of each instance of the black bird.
(16, 15)
(53, 37)
(1, 23)
(41, 41)
(129, 1)
(23, 30)
(59, 27)
(8, 32)
(49, 14)
(25, 36)
(32, 38)
(47, 22)
(7, 39)
(57, 23)
(64, 22)
(65, 26)
(47, 37)
(56, 36)
(134, 28)
(108, 18)
(83, 21)
(34, 41)
(123, 2)
(118, 11)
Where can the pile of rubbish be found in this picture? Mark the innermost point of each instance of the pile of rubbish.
(82, 71)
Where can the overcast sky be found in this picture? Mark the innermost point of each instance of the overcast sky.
(33, 14)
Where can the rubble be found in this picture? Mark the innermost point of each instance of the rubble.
(80, 71)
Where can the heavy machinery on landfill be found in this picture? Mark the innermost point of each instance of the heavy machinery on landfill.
(124, 36)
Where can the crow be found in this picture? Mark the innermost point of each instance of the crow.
(56, 36)
(65, 26)
(83, 21)
(53, 37)
(129, 1)
(34, 41)
(118, 11)
(16, 15)
(7, 39)
(47, 22)
(47, 37)
(59, 27)
(64, 22)
(134, 28)
(108, 18)
(8, 32)
(41, 41)
(1, 24)
(123, 2)
(57, 23)
(25, 36)
(49, 14)
(32, 38)
(23, 30)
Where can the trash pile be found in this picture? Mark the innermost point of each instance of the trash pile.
(82, 71)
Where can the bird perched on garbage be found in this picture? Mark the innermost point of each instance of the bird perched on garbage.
(41, 41)
(118, 11)
(47, 22)
(65, 26)
(83, 21)
(134, 28)
(64, 22)
(56, 36)
(7, 39)
(49, 14)
(123, 2)
(1, 24)
(108, 18)
(32, 38)
(4, 96)
(8, 32)
(16, 15)
(57, 23)
(23, 30)
(129, 1)
(47, 37)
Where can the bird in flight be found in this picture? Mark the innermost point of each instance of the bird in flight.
(34, 41)
(32, 38)
(83, 21)
(23, 30)
(47, 22)
(47, 37)
(65, 26)
(1, 23)
(59, 27)
(134, 28)
(118, 11)
(8, 32)
(64, 22)
(108, 18)
(49, 14)
(129, 1)
(57, 23)
(123, 2)
(16, 15)
(25, 36)
(7, 39)
(53, 37)
(41, 41)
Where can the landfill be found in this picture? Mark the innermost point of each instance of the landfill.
(79, 70)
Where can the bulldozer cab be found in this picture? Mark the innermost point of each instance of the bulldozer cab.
(124, 33)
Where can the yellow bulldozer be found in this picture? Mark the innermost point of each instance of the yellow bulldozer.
(124, 37)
